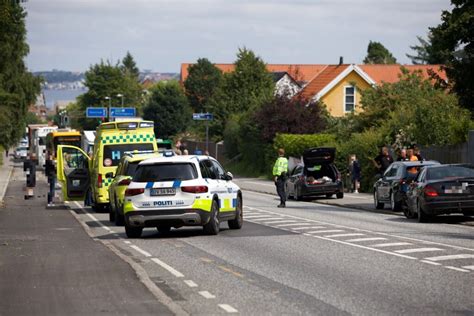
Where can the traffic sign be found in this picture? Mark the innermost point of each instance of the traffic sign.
(203, 116)
(123, 112)
(96, 112)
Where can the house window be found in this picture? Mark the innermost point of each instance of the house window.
(349, 98)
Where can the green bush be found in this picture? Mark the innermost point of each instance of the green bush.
(295, 144)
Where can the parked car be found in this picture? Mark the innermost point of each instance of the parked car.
(441, 189)
(316, 176)
(392, 187)
(21, 153)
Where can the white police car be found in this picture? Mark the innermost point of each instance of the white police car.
(181, 191)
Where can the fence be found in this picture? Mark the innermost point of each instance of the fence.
(460, 153)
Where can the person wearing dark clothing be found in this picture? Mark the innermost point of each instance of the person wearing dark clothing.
(417, 153)
(403, 155)
(383, 160)
(280, 171)
(354, 169)
(50, 170)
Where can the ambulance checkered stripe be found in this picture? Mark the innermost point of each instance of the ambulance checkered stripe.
(123, 139)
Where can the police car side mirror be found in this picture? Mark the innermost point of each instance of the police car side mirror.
(109, 175)
(228, 176)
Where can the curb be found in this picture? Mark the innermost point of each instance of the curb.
(2, 194)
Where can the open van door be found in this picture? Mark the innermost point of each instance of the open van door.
(72, 171)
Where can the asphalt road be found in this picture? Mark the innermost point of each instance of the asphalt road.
(307, 259)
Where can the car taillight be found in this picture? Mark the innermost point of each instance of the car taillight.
(125, 182)
(430, 192)
(195, 189)
(99, 180)
(338, 176)
(132, 192)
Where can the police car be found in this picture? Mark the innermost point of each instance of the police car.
(181, 191)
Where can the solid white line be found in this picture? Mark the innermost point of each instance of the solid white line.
(344, 235)
(143, 252)
(468, 267)
(190, 283)
(326, 231)
(228, 308)
(278, 222)
(418, 250)
(431, 262)
(265, 184)
(256, 216)
(450, 257)
(309, 227)
(456, 269)
(390, 244)
(294, 224)
(361, 230)
(170, 269)
(267, 219)
(206, 294)
(366, 239)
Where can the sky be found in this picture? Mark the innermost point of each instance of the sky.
(161, 34)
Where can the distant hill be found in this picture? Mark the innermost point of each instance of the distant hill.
(59, 76)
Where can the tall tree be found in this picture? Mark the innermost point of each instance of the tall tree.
(428, 51)
(168, 107)
(378, 54)
(18, 87)
(129, 67)
(202, 83)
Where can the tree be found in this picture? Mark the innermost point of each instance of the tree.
(202, 83)
(168, 107)
(428, 51)
(129, 67)
(18, 87)
(105, 80)
(378, 54)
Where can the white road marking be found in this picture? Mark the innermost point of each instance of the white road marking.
(450, 257)
(259, 183)
(418, 250)
(431, 262)
(206, 294)
(344, 235)
(190, 283)
(278, 222)
(325, 231)
(268, 219)
(143, 252)
(310, 227)
(170, 269)
(354, 196)
(127, 242)
(366, 239)
(294, 224)
(256, 216)
(93, 217)
(391, 244)
(228, 308)
(456, 269)
(468, 267)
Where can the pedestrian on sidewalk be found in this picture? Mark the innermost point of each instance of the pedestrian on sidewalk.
(354, 170)
(6, 152)
(383, 161)
(280, 171)
(50, 170)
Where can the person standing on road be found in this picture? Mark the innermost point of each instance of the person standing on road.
(50, 170)
(383, 160)
(280, 170)
(354, 169)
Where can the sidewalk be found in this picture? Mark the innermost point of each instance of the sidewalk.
(362, 201)
(50, 266)
(6, 170)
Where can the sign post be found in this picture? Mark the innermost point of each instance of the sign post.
(122, 112)
(204, 117)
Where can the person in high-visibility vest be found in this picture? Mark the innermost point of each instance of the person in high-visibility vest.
(280, 171)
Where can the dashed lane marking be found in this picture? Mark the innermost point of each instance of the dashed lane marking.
(143, 252)
(228, 308)
(167, 267)
(279, 222)
(344, 235)
(310, 227)
(294, 224)
(450, 257)
(190, 283)
(431, 262)
(391, 244)
(456, 269)
(127, 242)
(366, 239)
(325, 231)
(268, 219)
(468, 267)
(255, 216)
(206, 294)
(414, 250)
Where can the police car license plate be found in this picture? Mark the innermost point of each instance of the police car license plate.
(162, 191)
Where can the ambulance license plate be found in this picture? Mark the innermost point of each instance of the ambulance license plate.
(162, 191)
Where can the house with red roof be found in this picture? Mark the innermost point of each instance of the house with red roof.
(338, 86)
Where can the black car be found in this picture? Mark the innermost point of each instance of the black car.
(392, 187)
(441, 189)
(317, 176)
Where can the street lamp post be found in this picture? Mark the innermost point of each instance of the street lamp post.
(110, 105)
(120, 96)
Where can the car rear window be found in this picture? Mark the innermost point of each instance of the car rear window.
(450, 172)
(113, 153)
(132, 168)
(165, 172)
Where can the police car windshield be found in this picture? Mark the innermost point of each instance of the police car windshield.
(165, 172)
(113, 153)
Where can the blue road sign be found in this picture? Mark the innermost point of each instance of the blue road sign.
(96, 112)
(123, 112)
(203, 116)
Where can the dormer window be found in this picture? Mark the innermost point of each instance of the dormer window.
(349, 98)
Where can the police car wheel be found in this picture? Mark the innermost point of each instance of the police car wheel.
(239, 216)
(133, 232)
(111, 214)
(119, 218)
(212, 227)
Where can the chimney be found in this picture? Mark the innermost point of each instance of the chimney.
(341, 60)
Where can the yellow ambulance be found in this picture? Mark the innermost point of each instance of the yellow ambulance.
(79, 173)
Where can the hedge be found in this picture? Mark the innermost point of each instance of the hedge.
(295, 144)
